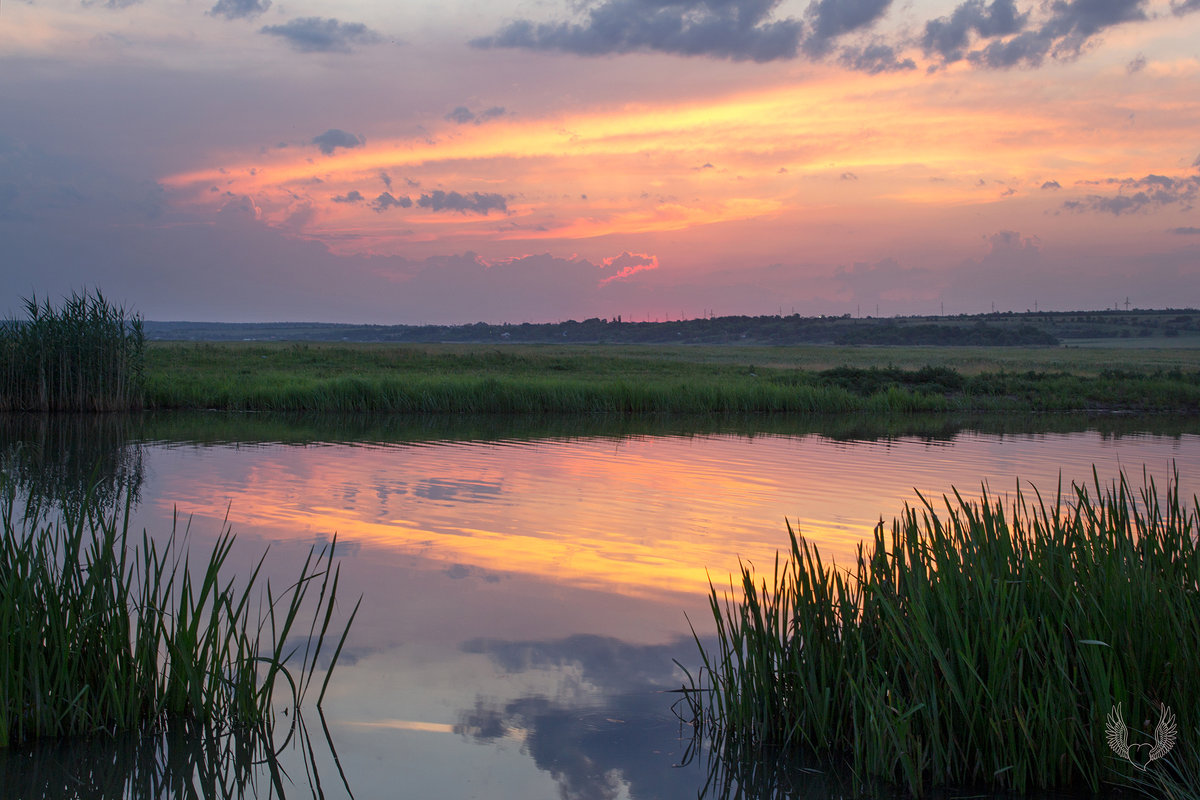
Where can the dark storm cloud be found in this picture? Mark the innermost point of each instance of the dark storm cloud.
(317, 35)
(739, 30)
(473, 203)
(833, 18)
(385, 201)
(949, 36)
(1144, 194)
(334, 138)
(354, 196)
(239, 9)
(874, 59)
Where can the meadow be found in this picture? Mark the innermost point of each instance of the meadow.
(539, 379)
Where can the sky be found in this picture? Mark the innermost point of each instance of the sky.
(455, 161)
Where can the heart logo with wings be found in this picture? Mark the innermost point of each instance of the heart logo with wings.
(1118, 738)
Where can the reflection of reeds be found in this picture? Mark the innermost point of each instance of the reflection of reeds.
(86, 355)
(181, 760)
(978, 646)
(104, 633)
(62, 460)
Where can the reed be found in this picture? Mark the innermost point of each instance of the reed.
(974, 644)
(86, 355)
(105, 632)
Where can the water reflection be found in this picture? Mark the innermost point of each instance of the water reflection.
(181, 761)
(57, 461)
(526, 580)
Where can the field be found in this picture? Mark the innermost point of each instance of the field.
(509, 378)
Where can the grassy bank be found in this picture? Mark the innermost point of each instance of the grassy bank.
(630, 380)
(105, 632)
(974, 644)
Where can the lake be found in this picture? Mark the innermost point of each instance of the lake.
(527, 584)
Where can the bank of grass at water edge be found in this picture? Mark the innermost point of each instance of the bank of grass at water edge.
(108, 631)
(975, 643)
(624, 380)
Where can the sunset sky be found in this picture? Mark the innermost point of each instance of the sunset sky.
(454, 161)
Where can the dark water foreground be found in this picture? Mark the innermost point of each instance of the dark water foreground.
(526, 581)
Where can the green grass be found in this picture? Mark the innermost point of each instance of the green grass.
(106, 632)
(419, 379)
(975, 644)
(86, 355)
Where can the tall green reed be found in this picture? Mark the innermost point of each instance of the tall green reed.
(85, 355)
(975, 644)
(104, 632)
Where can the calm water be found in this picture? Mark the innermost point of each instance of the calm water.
(524, 597)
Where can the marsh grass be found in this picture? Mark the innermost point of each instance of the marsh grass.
(105, 632)
(415, 379)
(85, 355)
(972, 644)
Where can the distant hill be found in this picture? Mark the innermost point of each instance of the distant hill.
(997, 329)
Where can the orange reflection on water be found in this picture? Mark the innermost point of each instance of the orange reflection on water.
(641, 517)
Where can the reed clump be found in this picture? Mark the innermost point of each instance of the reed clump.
(104, 632)
(974, 644)
(85, 355)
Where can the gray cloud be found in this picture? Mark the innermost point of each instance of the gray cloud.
(1185, 7)
(385, 201)
(949, 36)
(1051, 185)
(739, 30)
(1143, 194)
(239, 9)
(1188, 231)
(833, 18)
(1136, 65)
(1068, 30)
(334, 138)
(462, 115)
(874, 59)
(353, 196)
(473, 203)
(317, 35)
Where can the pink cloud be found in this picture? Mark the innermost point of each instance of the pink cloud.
(627, 264)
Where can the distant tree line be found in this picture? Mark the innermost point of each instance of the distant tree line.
(996, 330)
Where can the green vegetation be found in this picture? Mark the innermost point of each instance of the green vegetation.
(977, 646)
(85, 356)
(419, 379)
(102, 633)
